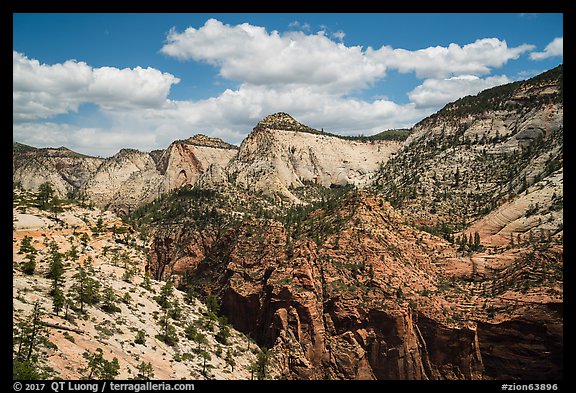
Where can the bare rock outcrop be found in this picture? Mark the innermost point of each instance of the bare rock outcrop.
(281, 153)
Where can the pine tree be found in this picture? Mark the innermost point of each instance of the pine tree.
(109, 300)
(146, 283)
(145, 371)
(29, 266)
(169, 335)
(73, 253)
(100, 368)
(85, 289)
(230, 359)
(476, 240)
(212, 304)
(30, 337)
(44, 196)
(26, 246)
(55, 264)
(31, 333)
(165, 293)
(58, 298)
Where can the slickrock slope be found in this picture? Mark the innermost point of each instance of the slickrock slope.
(115, 258)
(281, 153)
(124, 180)
(536, 213)
(483, 152)
(448, 266)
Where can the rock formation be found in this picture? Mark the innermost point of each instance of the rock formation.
(124, 181)
(281, 153)
(440, 257)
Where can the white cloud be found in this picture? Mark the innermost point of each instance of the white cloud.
(103, 142)
(42, 91)
(310, 76)
(553, 49)
(476, 58)
(250, 54)
(438, 92)
(339, 35)
(297, 25)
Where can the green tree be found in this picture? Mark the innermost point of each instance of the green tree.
(476, 240)
(205, 355)
(163, 299)
(212, 304)
(146, 283)
(26, 246)
(168, 335)
(145, 372)
(29, 266)
(223, 334)
(100, 368)
(99, 225)
(230, 359)
(259, 366)
(58, 298)
(175, 310)
(29, 339)
(44, 196)
(140, 337)
(26, 371)
(85, 290)
(128, 275)
(190, 295)
(73, 253)
(55, 264)
(109, 300)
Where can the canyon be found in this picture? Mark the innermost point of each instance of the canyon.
(438, 256)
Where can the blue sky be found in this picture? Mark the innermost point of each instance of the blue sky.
(99, 82)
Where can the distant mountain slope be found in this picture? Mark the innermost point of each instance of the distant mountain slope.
(124, 181)
(281, 153)
(127, 320)
(480, 152)
(65, 169)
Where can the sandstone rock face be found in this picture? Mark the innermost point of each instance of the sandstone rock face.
(64, 169)
(374, 298)
(502, 148)
(528, 347)
(183, 163)
(339, 309)
(128, 179)
(281, 153)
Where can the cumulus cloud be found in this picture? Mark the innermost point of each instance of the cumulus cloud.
(313, 77)
(477, 58)
(94, 141)
(42, 91)
(339, 35)
(298, 25)
(252, 55)
(438, 92)
(553, 49)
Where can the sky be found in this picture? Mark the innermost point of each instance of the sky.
(97, 83)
